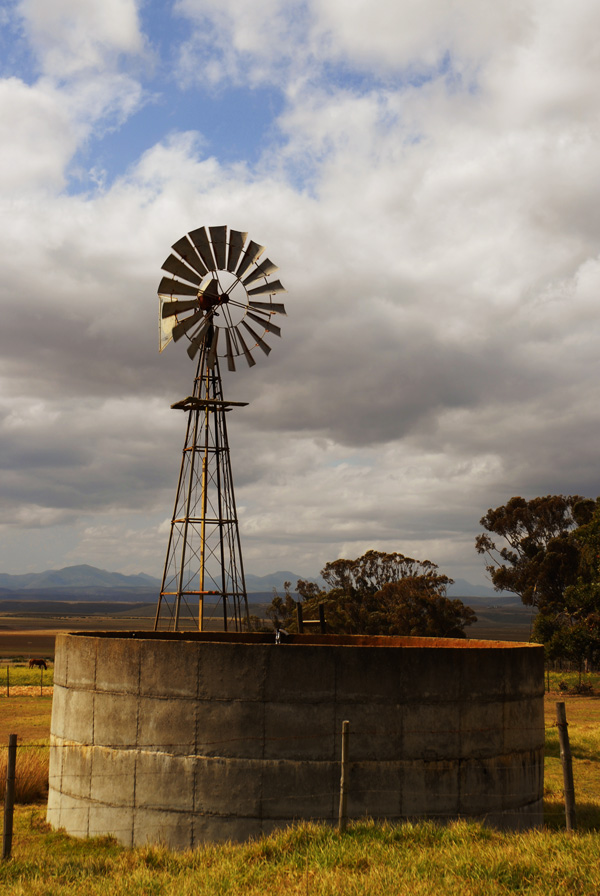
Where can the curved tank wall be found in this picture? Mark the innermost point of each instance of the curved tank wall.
(185, 738)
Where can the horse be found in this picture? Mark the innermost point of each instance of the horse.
(39, 662)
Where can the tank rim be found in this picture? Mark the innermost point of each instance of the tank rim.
(308, 640)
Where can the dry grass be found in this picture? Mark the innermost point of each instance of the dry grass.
(459, 859)
(28, 717)
(31, 777)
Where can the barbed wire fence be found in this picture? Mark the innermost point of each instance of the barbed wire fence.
(347, 793)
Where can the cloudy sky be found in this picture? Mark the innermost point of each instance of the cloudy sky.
(426, 174)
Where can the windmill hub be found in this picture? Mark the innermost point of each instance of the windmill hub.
(207, 302)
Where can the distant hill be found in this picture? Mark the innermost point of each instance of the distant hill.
(83, 576)
(86, 582)
(462, 588)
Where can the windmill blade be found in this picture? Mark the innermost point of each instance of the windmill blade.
(167, 309)
(172, 287)
(218, 236)
(229, 351)
(271, 307)
(252, 252)
(193, 348)
(247, 355)
(265, 323)
(165, 332)
(211, 290)
(184, 325)
(263, 270)
(236, 243)
(233, 332)
(259, 341)
(179, 269)
(202, 244)
(212, 352)
(267, 288)
(197, 339)
(184, 248)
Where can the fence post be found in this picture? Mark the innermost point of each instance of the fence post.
(343, 819)
(9, 797)
(567, 765)
(299, 618)
(322, 622)
(41, 680)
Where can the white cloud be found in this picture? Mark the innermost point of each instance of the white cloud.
(42, 126)
(73, 87)
(416, 34)
(438, 239)
(72, 37)
(236, 42)
(36, 138)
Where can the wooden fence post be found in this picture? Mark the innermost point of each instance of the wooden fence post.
(567, 765)
(322, 622)
(9, 797)
(7, 680)
(299, 618)
(343, 818)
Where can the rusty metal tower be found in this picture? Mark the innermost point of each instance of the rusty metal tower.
(227, 290)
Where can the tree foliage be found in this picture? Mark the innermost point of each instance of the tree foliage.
(535, 557)
(549, 555)
(577, 625)
(378, 594)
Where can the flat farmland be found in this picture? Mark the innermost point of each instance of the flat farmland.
(29, 635)
(26, 636)
(32, 631)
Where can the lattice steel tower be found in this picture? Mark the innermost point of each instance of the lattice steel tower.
(229, 291)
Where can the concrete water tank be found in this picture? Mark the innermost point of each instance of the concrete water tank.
(184, 738)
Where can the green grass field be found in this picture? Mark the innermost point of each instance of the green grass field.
(380, 860)
(19, 675)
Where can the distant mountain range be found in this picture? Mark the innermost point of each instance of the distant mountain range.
(83, 576)
(75, 579)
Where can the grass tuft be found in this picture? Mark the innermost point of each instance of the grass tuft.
(460, 859)
(31, 774)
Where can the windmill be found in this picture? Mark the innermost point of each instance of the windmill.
(218, 299)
